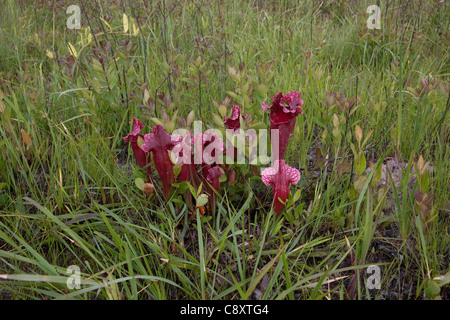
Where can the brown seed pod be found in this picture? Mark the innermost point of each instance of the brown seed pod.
(149, 189)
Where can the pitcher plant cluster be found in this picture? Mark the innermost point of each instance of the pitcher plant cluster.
(204, 158)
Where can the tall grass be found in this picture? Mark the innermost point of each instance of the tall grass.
(67, 190)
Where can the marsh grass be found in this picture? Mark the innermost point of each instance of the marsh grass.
(67, 191)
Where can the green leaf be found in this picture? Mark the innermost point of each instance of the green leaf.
(264, 159)
(125, 23)
(223, 111)
(335, 120)
(335, 132)
(217, 120)
(352, 193)
(360, 165)
(97, 66)
(192, 189)
(246, 100)
(352, 146)
(244, 89)
(169, 126)
(424, 182)
(140, 141)
(379, 173)
(177, 169)
(223, 178)
(165, 67)
(297, 195)
(359, 183)
(443, 280)
(139, 183)
(262, 89)
(157, 121)
(320, 122)
(202, 200)
(181, 186)
(233, 95)
(432, 289)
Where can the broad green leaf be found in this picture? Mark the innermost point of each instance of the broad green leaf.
(177, 169)
(335, 120)
(169, 126)
(335, 131)
(140, 183)
(351, 193)
(217, 120)
(140, 141)
(223, 178)
(157, 121)
(202, 200)
(360, 165)
(432, 289)
(359, 183)
(223, 111)
(233, 95)
(379, 173)
(297, 195)
(125, 23)
(262, 89)
(181, 186)
(352, 146)
(135, 30)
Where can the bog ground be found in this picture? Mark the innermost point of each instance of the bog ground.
(82, 218)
